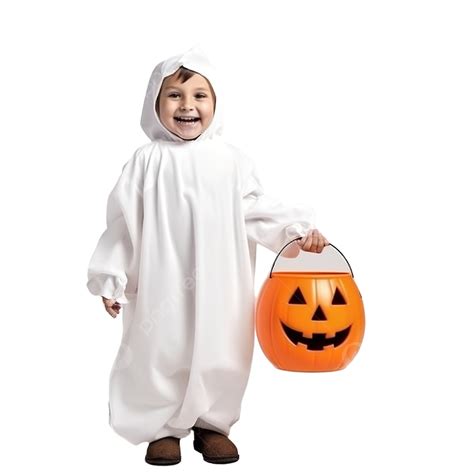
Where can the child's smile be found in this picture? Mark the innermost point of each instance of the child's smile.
(187, 122)
(185, 109)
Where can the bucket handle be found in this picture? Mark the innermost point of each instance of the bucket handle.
(298, 238)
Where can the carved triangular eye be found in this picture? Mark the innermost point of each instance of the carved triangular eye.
(297, 297)
(338, 298)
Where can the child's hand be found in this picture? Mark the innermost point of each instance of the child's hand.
(313, 241)
(111, 306)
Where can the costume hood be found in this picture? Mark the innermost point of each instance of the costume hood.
(196, 60)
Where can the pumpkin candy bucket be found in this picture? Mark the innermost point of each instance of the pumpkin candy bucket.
(310, 320)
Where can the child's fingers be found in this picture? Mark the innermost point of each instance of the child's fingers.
(308, 243)
(111, 312)
(111, 306)
(313, 241)
(301, 241)
(318, 242)
(314, 245)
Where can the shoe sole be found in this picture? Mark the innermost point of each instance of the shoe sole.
(162, 462)
(227, 460)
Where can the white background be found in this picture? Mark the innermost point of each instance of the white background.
(363, 109)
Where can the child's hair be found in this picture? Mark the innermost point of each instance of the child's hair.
(183, 75)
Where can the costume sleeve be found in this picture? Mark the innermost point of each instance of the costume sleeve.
(268, 221)
(113, 267)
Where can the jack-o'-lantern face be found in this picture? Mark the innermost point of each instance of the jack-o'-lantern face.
(310, 321)
(317, 340)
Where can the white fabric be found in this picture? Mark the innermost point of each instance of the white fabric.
(183, 221)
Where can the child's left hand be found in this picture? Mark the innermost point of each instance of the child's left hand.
(313, 241)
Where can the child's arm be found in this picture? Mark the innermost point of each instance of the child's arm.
(113, 268)
(271, 223)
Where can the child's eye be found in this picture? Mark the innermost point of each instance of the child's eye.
(199, 96)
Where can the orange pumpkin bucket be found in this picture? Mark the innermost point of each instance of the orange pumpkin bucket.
(310, 320)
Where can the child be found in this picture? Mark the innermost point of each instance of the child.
(183, 221)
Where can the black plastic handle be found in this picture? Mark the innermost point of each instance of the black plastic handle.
(298, 238)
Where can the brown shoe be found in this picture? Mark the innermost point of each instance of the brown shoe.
(215, 447)
(164, 451)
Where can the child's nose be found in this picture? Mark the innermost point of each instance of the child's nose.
(186, 102)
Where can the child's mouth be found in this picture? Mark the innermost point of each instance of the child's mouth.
(186, 119)
(187, 123)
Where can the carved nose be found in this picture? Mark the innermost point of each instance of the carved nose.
(319, 315)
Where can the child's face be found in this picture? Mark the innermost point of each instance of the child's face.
(192, 98)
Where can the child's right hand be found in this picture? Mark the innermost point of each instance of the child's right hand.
(111, 306)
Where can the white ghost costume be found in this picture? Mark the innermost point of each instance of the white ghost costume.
(178, 253)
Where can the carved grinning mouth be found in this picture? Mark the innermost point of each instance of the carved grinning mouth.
(318, 341)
